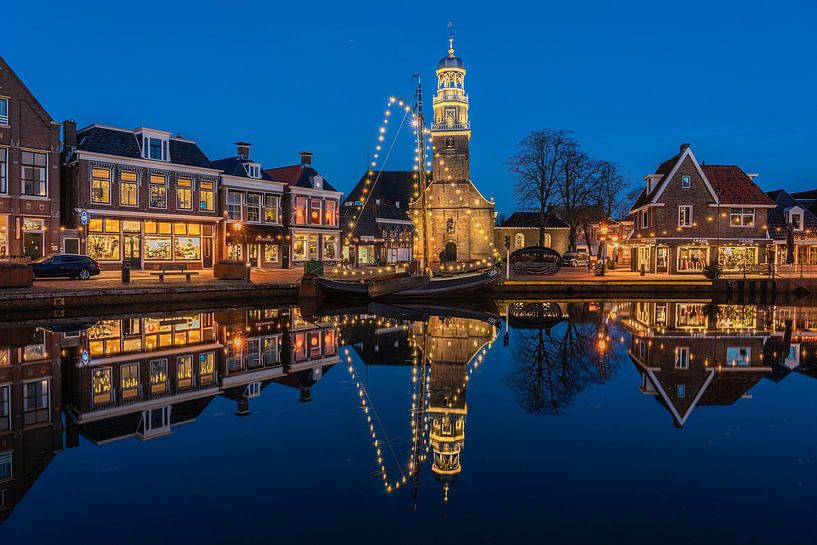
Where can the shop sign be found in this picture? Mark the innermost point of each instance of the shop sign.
(646, 241)
(746, 241)
(700, 241)
(83, 217)
(86, 358)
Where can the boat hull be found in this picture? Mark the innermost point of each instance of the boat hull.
(454, 286)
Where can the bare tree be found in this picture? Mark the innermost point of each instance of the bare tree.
(613, 190)
(537, 167)
(578, 184)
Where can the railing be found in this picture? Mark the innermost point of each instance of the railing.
(451, 126)
(456, 97)
(796, 270)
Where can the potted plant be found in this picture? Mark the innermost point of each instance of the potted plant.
(230, 269)
(712, 271)
(15, 274)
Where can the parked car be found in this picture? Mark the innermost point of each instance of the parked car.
(72, 266)
(576, 259)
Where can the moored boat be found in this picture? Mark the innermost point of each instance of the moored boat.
(478, 282)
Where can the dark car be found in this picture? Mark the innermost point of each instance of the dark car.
(576, 259)
(72, 266)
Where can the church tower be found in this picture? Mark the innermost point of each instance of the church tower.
(460, 220)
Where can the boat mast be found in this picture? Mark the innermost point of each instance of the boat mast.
(421, 173)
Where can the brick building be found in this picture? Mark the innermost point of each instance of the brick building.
(523, 230)
(29, 172)
(690, 214)
(311, 213)
(252, 229)
(142, 196)
(460, 220)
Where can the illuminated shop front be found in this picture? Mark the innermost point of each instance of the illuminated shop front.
(315, 246)
(737, 258)
(260, 246)
(694, 256)
(148, 243)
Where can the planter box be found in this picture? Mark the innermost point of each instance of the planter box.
(16, 277)
(230, 271)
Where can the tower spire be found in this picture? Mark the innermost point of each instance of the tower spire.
(450, 39)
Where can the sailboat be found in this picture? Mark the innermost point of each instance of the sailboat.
(423, 284)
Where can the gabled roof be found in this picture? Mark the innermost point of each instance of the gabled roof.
(298, 176)
(733, 186)
(40, 110)
(123, 143)
(531, 219)
(777, 217)
(234, 166)
(663, 169)
(389, 186)
(366, 223)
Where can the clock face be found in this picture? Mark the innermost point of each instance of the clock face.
(451, 114)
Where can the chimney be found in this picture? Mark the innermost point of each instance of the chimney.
(69, 133)
(306, 158)
(243, 149)
(684, 146)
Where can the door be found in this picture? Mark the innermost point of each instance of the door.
(207, 253)
(33, 244)
(662, 260)
(70, 246)
(450, 251)
(253, 253)
(132, 248)
(285, 256)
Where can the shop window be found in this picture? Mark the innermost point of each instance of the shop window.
(299, 211)
(158, 377)
(330, 345)
(207, 368)
(299, 248)
(315, 211)
(101, 385)
(36, 402)
(742, 217)
(184, 372)
(331, 215)
(253, 207)
(271, 208)
(188, 248)
(738, 258)
(691, 258)
(34, 174)
(690, 315)
(158, 191)
(682, 357)
(271, 356)
(234, 251)
(5, 408)
(234, 205)
(299, 347)
(101, 185)
(738, 356)
(104, 247)
(685, 216)
(207, 196)
(128, 188)
(129, 381)
(4, 180)
(184, 194)
(271, 253)
(330, 247)
(313, 247)
(130, 226)
(158, 248)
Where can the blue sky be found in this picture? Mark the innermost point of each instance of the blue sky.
(632, 79)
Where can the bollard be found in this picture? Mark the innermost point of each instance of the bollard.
(643, 269)
(249, 270)
(126, 272)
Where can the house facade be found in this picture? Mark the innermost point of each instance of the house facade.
(253, 228)
(690, 215)
(376, 226)
(141, 196)
(793, 228)
(29, 172)
(311, 213)
(521, 230)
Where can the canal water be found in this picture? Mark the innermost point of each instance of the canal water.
(662, 421)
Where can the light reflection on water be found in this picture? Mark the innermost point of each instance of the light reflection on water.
(576, 421)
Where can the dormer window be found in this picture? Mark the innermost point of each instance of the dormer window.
(155, 144)
(253, 170)
(795, 220)
(317, 182)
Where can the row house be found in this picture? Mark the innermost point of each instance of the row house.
(521, 230)
(311, 213)
(376, 226)
(793, 228)
(692, 354)
(690, 215)
(141, 196)
(253, 228)
(29, 172)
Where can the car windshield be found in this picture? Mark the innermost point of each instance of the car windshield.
(42, 259)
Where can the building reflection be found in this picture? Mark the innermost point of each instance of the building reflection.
(694, 354)
(30, 402)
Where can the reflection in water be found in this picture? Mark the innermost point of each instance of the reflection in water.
(92, 382)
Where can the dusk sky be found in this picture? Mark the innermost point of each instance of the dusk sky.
(633, 80)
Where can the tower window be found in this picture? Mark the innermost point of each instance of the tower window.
(450, 144)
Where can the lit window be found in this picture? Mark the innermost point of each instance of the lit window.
(315, 212)
(34, 174)
(128, 188)
(270, 208)
(330, 213)
(253, 207)
(184, 194)
(742, 217)
(207, 368)
(158, 191)
(519, 240)
(299, 212)
(330, 247)
(234, 205)
(4, 111)
(685, 182)
(101, 185)
(682, 357)
(130, 380)
(158, 376)
(184, 372)
(101, 384)
(685, 216)
(206, 196)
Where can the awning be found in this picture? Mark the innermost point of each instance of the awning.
(257, 233)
